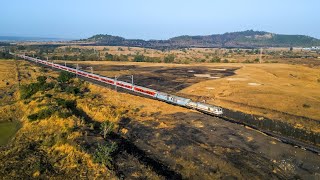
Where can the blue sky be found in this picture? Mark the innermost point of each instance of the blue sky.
(150, 19)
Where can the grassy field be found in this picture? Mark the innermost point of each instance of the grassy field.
(9, 124)
(269, 90)
(7, 130)
(278, 91)
(176, 139)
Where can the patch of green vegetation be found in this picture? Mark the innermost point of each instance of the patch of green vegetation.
(42, 114)
(65, 77)
(225, 61)
(69, 104)
(215, 60)
(26, 91)
(104, 152)
(7, 130)
(106, 128)
(169, 58)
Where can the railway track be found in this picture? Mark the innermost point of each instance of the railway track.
(125, 87)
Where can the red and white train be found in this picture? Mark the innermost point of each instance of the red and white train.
(207, 108)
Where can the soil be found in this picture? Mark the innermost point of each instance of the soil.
(162, 78)
(176, 142)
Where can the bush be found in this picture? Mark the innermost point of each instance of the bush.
(42, 114)
(106, 128)
(72, 90)
(69, 104)
(109, 57)
(215, 60)
(41, 79)
(139, 58)
(256, 60)
(247, 61)
(64, 113)
(103, 154)
(26, 91)
(48, 95)
(225, 61)
(169, 59)
(65, 77)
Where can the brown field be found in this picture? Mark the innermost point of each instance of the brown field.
(186, 142)
(278, 91)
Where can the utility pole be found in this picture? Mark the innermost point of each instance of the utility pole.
(115, 82)
(132, 81)
(65, 63)
(77, 70)
(91, 68)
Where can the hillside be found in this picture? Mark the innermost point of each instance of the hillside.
(243, 39)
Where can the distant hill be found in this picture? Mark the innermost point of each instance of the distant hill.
(243, 39)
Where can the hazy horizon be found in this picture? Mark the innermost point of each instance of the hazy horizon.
(155, 20)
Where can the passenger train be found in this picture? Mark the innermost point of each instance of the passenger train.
(176, 100)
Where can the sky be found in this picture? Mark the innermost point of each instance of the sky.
(155, 19)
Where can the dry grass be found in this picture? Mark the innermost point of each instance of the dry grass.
(7, 73)
(277, 91)
(266, 89)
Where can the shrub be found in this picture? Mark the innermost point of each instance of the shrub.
(64, 77)
(64, 113)
(215, 60)
(247, 61)
(225, 61)
(169, 59)
(103, 154)
(26, 91)
(69, 104)
(106, 128)
(41, 79)
(48, 95)
(109, 57)
(42, 114)
(72, 90)
(256, 60)
(139, 58)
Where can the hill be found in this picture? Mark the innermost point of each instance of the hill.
(243, 39)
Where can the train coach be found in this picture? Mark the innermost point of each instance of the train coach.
(172, 99)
